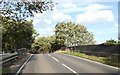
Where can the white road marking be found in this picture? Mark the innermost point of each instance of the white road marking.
(49, 55)
(70, 69)
(23, 65)
(64, 65)
(55, 59)
(93, 61)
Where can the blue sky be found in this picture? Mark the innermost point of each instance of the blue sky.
(100, 17)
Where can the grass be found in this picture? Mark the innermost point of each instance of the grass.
(113, 61)
(5, 70)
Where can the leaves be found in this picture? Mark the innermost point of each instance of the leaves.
(20, 10)
(68, 33)
(43, 44)
(16, 34)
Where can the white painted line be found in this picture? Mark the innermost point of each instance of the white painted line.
(93, 61)
(23, 65)
(70, 69)
(55, 59)
(49, 55)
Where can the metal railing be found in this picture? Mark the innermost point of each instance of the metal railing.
(7, 58)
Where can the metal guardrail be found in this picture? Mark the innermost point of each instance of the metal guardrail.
(7, 58)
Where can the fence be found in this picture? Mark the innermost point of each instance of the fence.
(7, 58)
(97, 50)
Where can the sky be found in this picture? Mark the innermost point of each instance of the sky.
(99, 17)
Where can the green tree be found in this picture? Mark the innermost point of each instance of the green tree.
(20, 10)
(71, 34)
(16, 34)
(45, 44)
(111, 42)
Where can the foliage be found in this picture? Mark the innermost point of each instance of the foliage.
(16, 34)
(111, 42)
(43, 44)
(68, 34)
(20, 10)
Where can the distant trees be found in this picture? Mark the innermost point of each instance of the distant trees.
(66, 34)
(111, 42)
(71, 34)
(16, 34)
(43, 44)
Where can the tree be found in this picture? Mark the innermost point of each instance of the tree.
(42, 44)
(71, 34)
(45, 44)
(20, 10)
(16, 34)
(111, 42)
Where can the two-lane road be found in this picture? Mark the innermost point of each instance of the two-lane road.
(61, 63)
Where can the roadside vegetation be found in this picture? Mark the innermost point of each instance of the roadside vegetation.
(66, 34)
(111, 42)
(17, 32)
(113, 61)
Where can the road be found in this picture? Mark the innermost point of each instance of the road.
(62, 63)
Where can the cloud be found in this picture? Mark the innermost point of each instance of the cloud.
(45, 31)
(116, 25)
(61, 1)
(48, 21)
(50, 30)
(95, 14)
(42, 20)
(61, 16)
(95, 7)
(36, 22)
(69, 5)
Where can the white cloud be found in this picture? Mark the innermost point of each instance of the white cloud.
(36, 21)
(95, 15)
(49, 29)
(69, 5)
(43, 19)
(61, 16)
(61, 1)
(95, 7)
(48, 21)
(116, 25)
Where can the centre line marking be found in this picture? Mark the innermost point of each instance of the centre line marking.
(70, 69)
(55, 59)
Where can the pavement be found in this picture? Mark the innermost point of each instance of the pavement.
(61, 63)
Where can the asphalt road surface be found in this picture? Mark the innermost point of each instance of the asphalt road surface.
(62, 63)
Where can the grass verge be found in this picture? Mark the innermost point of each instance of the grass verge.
(113, 61)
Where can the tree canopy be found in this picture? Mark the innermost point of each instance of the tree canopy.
(43, 44)
(66, 34)
(71, 34)
(111, 42)
(16, 34)
(20, 10)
